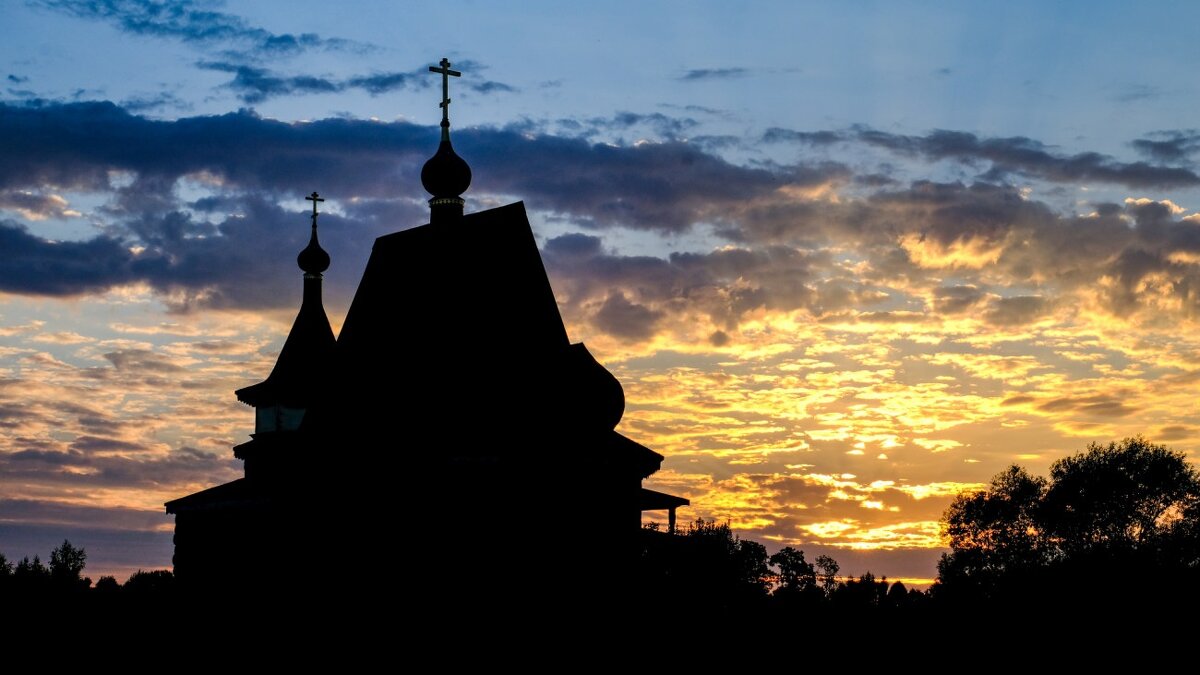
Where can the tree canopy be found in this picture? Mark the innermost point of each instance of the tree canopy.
(1101, 514)
(66, 566)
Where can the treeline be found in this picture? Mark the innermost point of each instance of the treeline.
(1114, 528)
(707, 567)
(64, 575)
(707, 562)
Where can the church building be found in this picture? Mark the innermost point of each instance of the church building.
(451, 420)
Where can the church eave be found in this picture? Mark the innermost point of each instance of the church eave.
(233, 493)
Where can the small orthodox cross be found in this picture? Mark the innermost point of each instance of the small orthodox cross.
(314, 198)
(446, 75)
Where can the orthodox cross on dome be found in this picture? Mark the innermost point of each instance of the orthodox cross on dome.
(446, 75)
(313, 260)
(445, 176)
(314, 198)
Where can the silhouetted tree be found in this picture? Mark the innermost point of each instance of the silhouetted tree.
(997, 532)
(796, 575)
(31, 575)
(6, 572)
(796, 588)
(1119, 497)
(706, 564)
(157, 582)
(752, 568)
(862, 594)
(827, 571)
(739, 565)
(66, 567)
(107, 584)
(795, 572)
(897, 596)
(1112, 509)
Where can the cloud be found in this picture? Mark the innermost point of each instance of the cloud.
(62, 337)
(193, 22)
(37, 266)
(36, 206)
(124, 434)
(1169, 146)
(663, 186)
(142, 360)
(489, 87)
(45, 512)
(1017, 310)
(1103, 405)
(1015, 259)
(573, 245)
(1138, 92)
(1175, 432)
(780, 135)
(1011, 155)
(382, 83)
(955, 299)
(100, 463)
(255, 85)
(155, 101)
(1027, 156)
(626, 320)
(1142, 257)
(663, 125)
(699, 74)
(693, 108)
(722, 286)
(97, 445)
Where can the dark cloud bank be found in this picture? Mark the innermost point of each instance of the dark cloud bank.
(251, 162)
(1019, 155)
(223, 249)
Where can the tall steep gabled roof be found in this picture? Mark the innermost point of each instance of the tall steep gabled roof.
(303, 364)
(308, 354)
(477, 281)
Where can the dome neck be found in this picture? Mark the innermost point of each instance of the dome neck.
(445, 209)
(312, 291)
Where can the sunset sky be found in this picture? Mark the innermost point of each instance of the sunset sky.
(847, 259)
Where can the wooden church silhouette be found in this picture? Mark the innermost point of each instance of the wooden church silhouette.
(452, 418)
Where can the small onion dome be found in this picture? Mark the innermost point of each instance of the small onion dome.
(313, 259)
(446, 174)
